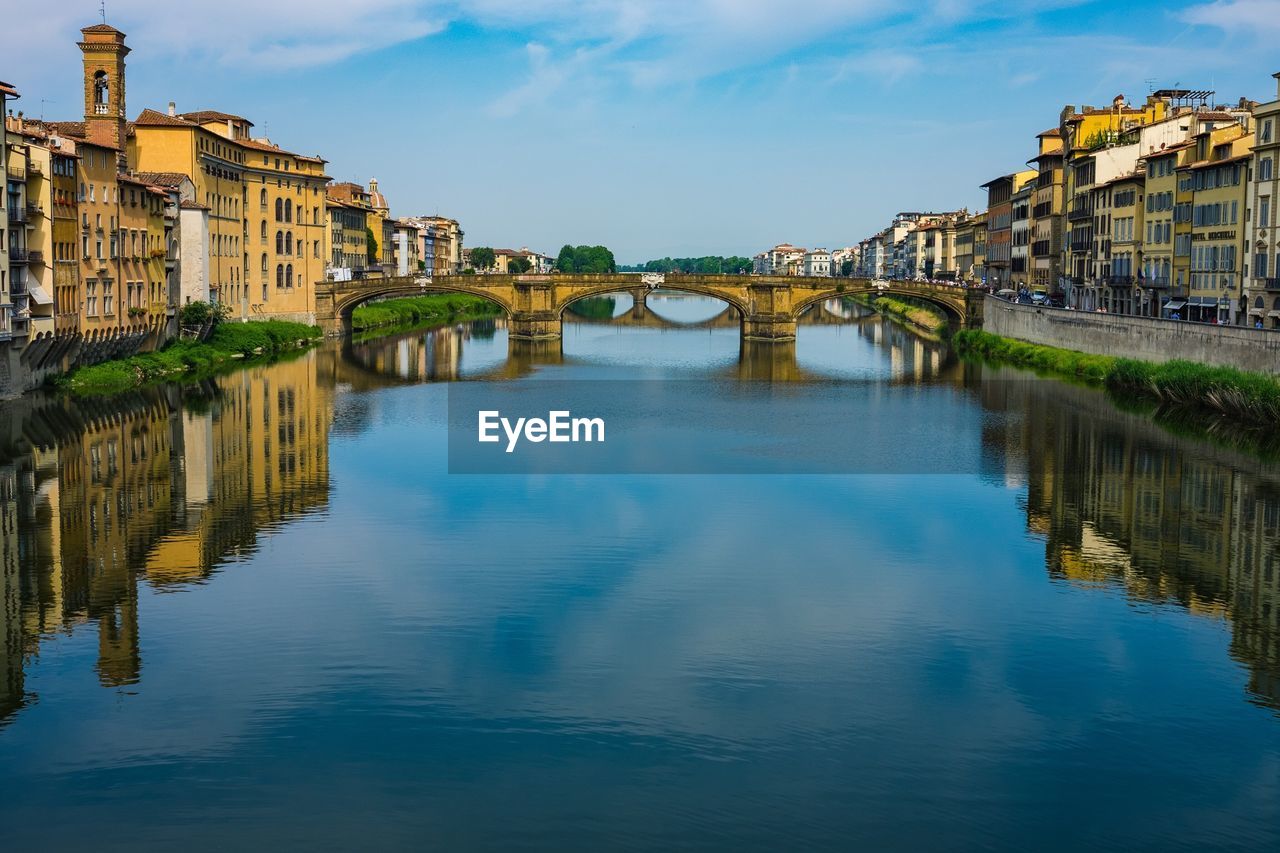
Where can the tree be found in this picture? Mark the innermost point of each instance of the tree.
(483, 258)
(565, 260)
(519, 265)
(371, 245)
(586, 259)
(846, 268)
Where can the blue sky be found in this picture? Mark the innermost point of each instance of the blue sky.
(655, 127)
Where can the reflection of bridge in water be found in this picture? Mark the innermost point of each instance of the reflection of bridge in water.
(640, 315)
(435, 355)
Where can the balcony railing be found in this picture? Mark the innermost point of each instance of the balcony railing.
(1271, 283)
(1120, 280)
(34, 210)
(1040, 248)
(1155, 281)
(1079, 214)
(1081, 245)
(35, 257)
(1043, 209)
(17, 256)
(17, 215)
(34, 168)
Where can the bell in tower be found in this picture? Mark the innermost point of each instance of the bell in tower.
(104, 50)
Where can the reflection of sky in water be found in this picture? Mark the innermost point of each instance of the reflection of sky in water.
(730, 663)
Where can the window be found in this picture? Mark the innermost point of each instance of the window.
(288, 210)
(288, 243)
(262, 198)
(264, 263)
(1264, 211)
(288, 276)
(279, 275)
(279, 210)
(1264, 169)
(279, 242)
(262, 236)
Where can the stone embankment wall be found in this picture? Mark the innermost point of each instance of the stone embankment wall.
(1256, 350)
(25, 368)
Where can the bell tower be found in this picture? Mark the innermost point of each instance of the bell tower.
(104, 51)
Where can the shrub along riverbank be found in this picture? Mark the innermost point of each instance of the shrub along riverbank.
(1252, 399)
(422, 309)
(185, 358)
(923, 315)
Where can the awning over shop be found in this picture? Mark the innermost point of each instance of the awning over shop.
(38, 295)
(1174, 305)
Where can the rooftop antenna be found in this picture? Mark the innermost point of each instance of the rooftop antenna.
(102, 10)
(44, 101)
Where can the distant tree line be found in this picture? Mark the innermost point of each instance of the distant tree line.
(586, 259)
(709, 265)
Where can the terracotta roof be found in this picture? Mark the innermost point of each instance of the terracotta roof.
(1215, 115)
(202, 116)
(131, 179)
(1210, 163)
(74, 129)
(152, 118)
(163, 179)
(191, 205)
(316, 159)
(258, 145)
(100, 28)
(1051, 132)
(8, 89)
(1171, 149)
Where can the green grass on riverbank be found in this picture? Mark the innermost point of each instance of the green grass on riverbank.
(1252, 399)
(416, 310)
(229, 342)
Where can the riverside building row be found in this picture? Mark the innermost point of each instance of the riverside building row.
(1163, 209)
(109, 225)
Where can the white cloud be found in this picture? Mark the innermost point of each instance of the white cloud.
(1242, 17)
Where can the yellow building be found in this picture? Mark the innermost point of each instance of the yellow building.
(1216, 180)
(1121, 206)
(1048, 213)
(1160, 210)
(348, 239)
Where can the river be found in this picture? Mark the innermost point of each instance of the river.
(258, 612)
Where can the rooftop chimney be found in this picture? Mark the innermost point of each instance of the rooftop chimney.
(173, 108)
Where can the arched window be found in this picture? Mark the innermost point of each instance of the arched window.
(279, 210)
(1258, 303)
(288, 276)
(279, 242)
(1276, 304)
(262, 198)
(100, 96)
(264, 263)
(288, 243)
(279, 275)
(288, 210)
(263, 233)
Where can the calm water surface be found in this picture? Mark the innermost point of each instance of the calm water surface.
(258, 613)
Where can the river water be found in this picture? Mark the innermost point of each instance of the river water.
(259, 612)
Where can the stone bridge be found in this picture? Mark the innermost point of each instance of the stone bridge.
(767, 306)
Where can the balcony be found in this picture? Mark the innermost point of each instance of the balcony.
(1271, 283)
(17, 215)
(1160, 281)
(34, 211)
(1080, 214)
(1043, 209)
(1081, 244)
(35, 257)
(1120, 281)
(1041, 249)
(34, 168)
(17, 256)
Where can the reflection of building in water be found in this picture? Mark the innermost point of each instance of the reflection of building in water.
(431, 355)
(1169, 520)
(99, 496)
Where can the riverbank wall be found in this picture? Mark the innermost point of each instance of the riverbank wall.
(26, 367)
(1142, 338)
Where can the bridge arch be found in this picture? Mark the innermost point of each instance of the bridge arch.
(953, 307)
(691, 288)
(346, 304)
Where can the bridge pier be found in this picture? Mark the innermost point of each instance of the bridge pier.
(639, 302)
(769, 328)
(540, 326)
